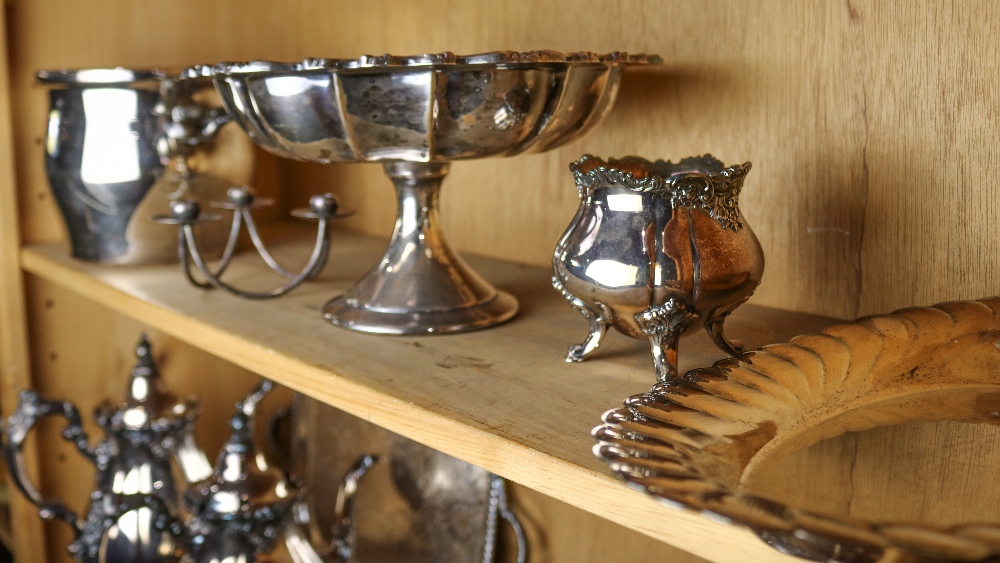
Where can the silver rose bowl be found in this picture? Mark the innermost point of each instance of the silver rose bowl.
(415, 115)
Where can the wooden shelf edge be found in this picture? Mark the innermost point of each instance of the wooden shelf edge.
(597, 493)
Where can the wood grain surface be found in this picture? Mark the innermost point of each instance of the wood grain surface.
(871, 126)
(503, 399)
(15, 366)
(871, 475)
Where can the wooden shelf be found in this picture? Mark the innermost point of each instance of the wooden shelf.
(502, 399)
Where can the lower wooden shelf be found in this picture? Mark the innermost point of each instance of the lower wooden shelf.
(503, 398)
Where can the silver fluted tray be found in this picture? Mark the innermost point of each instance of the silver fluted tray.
(416, 114)
(752, 440)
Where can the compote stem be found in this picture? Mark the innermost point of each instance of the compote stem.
(421, 285)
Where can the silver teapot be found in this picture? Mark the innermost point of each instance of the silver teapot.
(657, 250)
(247, 511)
(148, 444)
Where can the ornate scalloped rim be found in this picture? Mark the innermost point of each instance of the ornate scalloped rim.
(387, 61)
(715, 192)
(71, 77)
(649, 463)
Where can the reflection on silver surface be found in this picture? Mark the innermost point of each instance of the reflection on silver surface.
(120, 144)
(420, 506)
(238, 511)
(415, 115)
(110, 146)
(656, 250)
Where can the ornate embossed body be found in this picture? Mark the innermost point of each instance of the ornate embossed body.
(656, 250)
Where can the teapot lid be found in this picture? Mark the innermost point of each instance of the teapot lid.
(147, 403)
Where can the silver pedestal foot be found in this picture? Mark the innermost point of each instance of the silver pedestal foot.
(664, 324)
(421, 286)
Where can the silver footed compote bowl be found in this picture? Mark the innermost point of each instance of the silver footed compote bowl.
(416, 115)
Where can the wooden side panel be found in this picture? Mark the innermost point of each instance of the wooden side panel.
(14, 347)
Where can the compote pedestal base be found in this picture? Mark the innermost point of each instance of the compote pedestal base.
(421, 286)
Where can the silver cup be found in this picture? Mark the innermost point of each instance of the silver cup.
(121, 144)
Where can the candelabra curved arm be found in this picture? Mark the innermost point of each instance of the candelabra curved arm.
(187, 213)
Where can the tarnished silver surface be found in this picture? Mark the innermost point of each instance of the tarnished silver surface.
(420, 506)
(704, 441)
(657, 249)
(132, 516)
(416, 114)
(121, 144)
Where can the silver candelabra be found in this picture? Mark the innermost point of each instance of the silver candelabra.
(187, 213)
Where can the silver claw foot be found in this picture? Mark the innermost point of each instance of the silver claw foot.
(714, 325)
(664, 324)
(599, 323)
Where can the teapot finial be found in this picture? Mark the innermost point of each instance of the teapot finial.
(144, 353)
(241, 440)
(144, 386)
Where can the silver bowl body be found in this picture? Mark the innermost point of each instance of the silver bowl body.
(416, 114)
(657, 250)
(118, 150)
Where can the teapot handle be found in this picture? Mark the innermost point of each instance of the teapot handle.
(30, 409)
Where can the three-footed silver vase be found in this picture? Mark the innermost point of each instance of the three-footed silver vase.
(122, 144)
(657, 250)
(415, 115)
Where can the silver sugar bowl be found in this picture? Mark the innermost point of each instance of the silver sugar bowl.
(122, 144)
(657, 250)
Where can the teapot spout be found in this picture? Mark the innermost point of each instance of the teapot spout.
(192, 460)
